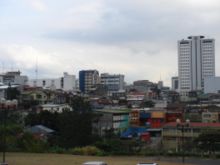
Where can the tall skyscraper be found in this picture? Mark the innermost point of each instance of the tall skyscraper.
(196, 60)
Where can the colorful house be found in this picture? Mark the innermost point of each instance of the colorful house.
(110, 120)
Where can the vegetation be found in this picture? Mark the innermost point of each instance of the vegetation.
(87, 150)
(147, 104)
(73, 128)
(73, 134)
(12, 129)
(208, 141)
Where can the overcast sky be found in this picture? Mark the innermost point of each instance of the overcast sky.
(137, 38)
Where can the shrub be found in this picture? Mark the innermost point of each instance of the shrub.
(28, 143)
(57, 149)
(88, 150)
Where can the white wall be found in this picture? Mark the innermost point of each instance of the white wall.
(69, 82)
(21, 80)
(49, 83)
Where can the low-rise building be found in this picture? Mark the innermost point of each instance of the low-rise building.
(173, 136)
(135, 98)
(113, 82)
(147, 118)
(4, 88)
(13, 78)
(115, 121)
(59, 108)
(34, 97)
(175, 83)
(210, 117)
(66, 83)
(40, 132)
(143, 85)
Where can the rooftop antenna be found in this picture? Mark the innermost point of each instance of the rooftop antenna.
(36, 69)
(36, 72)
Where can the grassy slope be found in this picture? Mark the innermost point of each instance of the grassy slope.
(62, 159)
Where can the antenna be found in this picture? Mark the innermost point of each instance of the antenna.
(36, 71)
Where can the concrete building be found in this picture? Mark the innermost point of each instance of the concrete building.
(160, 85)
(4, 88)
(196, 61)
(88, 79)
(210, 117)
(175, 83)
(67, 83)
(212, 85)
(142, 85)
(172, 136)
(116, 121)
(59, 108)
(14, 78)
(135, 99)
(113, 82)
(52, 83)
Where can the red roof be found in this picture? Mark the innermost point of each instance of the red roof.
(193, 124)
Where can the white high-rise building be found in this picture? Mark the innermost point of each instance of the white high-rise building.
(196, 61)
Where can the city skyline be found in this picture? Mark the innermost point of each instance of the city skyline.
(134, 38)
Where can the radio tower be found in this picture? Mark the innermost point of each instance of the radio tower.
(36, 72)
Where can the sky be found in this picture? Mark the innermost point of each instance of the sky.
(137, 38)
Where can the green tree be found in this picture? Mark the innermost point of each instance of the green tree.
(28, 143)
(75, 129)
(208, 141)
(13, 128)
(147, 104)
(80, 104)
(45, 118)
(12, 93)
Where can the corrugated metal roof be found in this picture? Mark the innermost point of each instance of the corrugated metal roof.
(40, 129)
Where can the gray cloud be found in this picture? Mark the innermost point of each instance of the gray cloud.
(127, 21)
(137, 38)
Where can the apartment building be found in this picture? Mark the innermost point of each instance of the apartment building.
(14, 78)
(113, 82)
(88, 80)
(196, 61)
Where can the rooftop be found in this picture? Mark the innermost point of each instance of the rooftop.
(194, 124)
(113, 111)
